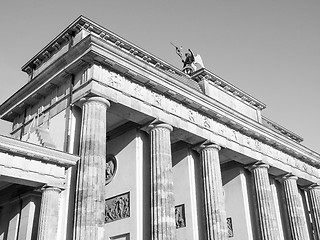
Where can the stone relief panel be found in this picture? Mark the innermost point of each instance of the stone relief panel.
(113, 79)
(117, 207)
(207, 122)
(180, 216)
(230, 227)
(138, 91)
(157, 100)
(191, 117)
(174, 107)
(111, 167)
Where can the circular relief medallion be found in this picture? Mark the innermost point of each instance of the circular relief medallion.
(111, 167)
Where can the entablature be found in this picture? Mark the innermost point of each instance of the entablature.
(16, 147)
(32, 165)
(192, 108)
(102, 48)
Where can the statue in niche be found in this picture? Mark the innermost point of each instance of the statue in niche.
(190, 61)
(111, 167)
(117, 208)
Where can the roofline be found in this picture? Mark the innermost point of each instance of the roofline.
(23, 68)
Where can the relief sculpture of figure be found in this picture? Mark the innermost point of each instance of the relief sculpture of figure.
(179, 218)
(109, 170)
(111, 166)
(117, 208)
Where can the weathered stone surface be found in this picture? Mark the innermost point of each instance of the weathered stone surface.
(268, 229)
(215, 214)
(162, 199)
(314, 201)
(90, 203)
(294, 208)
(49, 213)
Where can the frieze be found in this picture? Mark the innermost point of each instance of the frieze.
(115, 80)
(206, 122)
(157, 99)
(175, 107)
(117, 207)
(258, 144)
(193, 116)
(234, 135)
(138, 91)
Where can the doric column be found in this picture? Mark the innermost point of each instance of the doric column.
(314, 201)
(90, 202)
(294, 207)
(162, 199)
(268, 228)
(215, 214)
(49, 213)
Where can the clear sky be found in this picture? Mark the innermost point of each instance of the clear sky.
(269, 49)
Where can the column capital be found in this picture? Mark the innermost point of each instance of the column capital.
(159, 124)
(50, 188)
(206, 145)
(99, 99)
(313, 186)
(287, 176)
(256, 165)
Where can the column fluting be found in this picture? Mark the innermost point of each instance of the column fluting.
(49, 213)
(268, 228)
(90, 202)
(314, 201)
(162, 198)
(214, 206)
(294, 207)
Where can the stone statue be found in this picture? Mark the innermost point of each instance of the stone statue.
(190, 62)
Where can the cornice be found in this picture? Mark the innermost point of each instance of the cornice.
(55, 45)
(83, 23)
(275, 126)
(24, 149)
(45, 82)
(204, 74)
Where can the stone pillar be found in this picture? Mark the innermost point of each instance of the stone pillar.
(90, 202)
(215, 214)
(49, 213)
(162, 198)
(314, 202)
(267, 221)
(294, 207)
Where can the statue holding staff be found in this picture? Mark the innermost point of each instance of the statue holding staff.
(189, 61)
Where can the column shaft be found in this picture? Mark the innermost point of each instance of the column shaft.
(294, 208)
(216, 225)
(49, 213)
(162, 198)
(314, 201)
(265, 204)
(90, 202)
